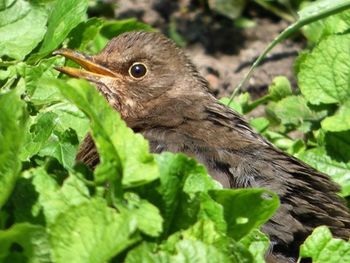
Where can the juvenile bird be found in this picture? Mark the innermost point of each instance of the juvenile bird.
(160, 94)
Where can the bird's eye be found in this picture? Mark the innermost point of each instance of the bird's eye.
(137, 70)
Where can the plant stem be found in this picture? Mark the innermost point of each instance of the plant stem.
(310, 14)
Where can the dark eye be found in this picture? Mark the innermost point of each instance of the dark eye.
(137, 70)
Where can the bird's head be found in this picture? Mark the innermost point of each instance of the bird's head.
(138, 71)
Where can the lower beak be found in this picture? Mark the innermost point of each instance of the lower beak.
(91, 71)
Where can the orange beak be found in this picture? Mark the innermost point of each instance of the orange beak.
(91, 71)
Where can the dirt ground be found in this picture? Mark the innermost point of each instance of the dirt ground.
(222, 52)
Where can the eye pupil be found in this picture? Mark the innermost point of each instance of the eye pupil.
(137, 70)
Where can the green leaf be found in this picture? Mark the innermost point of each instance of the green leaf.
(280, 88)
(19, 37)
(260, 124)
(54, 199)
(340, 121)
(294, 110)
(56, 130)
(32, 239)
(245, 209)
(34, 74)
(14, 12)
(331, 25)
(199, 243)
(207, 232)
(181, 178)
(65, 15)
(115, 142)
(148, 218)
(233, 105)
(338, 145)
(11, 139)
(185, 251)
(331, 57)
(257, 243)
(91, 232)
(37, 134)
(339, 171)
(63, 146)
(81, 37)
(321, 247)
(5, 4)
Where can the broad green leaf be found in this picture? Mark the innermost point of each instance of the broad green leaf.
(91, 232)
(54, 199)
(233, 105)
(69, 117)
(148, 218)
(260, 123)
(116, 143)
(24, 203)
(37, 134)
(11, 139)
(331, 57)
(207, 244)
(14, 12)
(322, 28)
(181, 178)
(340, 121)
(56, 130)
(320, 160)
(32, 240)
(63, 146)
(280, 140)
(321, 247)
(20, 37)
(294, 110)
(5, 4)
(197, 251)
(207, 232)
(338, 145)
(186, 251)
(81, 37)
(65, 15)
(146, 253)
(245, 209)
(257, 243)
(33, 74)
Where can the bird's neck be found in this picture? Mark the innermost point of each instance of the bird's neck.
(201, 119)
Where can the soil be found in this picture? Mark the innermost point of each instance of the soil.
(222, 52)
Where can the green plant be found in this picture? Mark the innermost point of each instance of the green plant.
(319, 110)
(135, 205)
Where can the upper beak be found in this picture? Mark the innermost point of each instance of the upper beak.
(93, 71)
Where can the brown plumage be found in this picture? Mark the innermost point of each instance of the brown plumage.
(172, 107)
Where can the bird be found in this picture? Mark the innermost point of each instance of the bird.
(160, 94)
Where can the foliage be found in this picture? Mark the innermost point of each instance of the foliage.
(135, 206)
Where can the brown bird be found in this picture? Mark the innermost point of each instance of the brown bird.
(160, 94)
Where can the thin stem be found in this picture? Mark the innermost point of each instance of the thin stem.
(308, 15)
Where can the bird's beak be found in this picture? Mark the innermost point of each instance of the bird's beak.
(91, 71)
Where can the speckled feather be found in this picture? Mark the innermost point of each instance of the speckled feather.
(173, 109)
